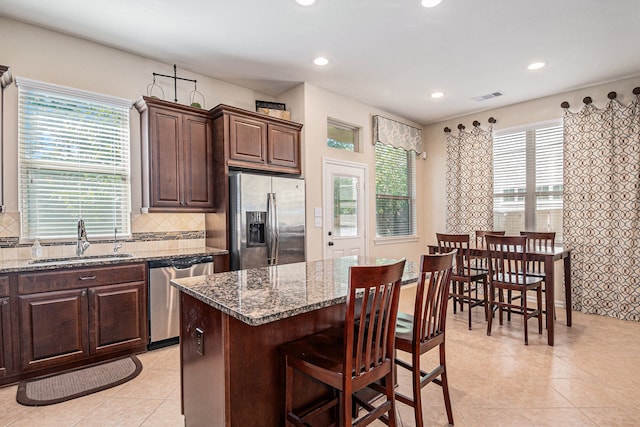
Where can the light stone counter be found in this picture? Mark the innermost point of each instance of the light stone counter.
(21, 265)
(262, 295)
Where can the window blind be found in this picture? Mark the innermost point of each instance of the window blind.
(73, 162)
(395, 191)
(527, 166)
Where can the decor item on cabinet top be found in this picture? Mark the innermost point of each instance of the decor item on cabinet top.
(273, 109)
(194, 96)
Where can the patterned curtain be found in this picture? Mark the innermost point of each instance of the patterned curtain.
(601, 208)
(470, 180)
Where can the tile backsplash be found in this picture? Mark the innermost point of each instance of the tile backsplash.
(153, 231)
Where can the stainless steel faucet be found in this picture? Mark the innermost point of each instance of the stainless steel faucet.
(116, 245)
(83, 241)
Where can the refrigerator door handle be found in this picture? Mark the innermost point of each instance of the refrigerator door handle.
(271, 236)
(276, 230)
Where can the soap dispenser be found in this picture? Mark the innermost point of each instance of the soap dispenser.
(36, 249)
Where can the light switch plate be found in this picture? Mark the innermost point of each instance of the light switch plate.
(200, 341)
(317, 212)
(318, 222)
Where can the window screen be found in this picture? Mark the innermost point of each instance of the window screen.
(73, 162)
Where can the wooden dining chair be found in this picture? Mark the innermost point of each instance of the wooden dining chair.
(466, 277)
(354, 356)
(539, 241)
(424, 330)
(508, 271)
(481, 235)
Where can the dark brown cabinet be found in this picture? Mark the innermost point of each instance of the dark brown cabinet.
(177, 149)
(53, 328)
(80, 315)
(257, 141)
(6, 349)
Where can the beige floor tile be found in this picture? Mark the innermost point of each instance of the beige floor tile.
(120, 411)
(590, 393)
(151, 384)
(589, 378)
(614, 416)
(509, 417)
(166, 415)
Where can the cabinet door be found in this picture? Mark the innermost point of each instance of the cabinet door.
(247, 139)
(198, 162)
(284, 147)
(53, 328)
(165, 155)
(118, 317)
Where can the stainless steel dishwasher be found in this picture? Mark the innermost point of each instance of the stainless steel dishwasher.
(164, 299)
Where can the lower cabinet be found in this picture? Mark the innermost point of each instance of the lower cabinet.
(67, 317)
(53, 328)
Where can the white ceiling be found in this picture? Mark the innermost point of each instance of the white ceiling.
(389, 54)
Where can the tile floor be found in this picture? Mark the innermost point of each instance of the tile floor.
(589, 378)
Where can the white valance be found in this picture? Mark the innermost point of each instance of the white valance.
(396, 134)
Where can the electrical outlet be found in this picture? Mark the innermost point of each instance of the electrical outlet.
(200, 341)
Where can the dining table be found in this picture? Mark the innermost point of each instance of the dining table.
(549, 258)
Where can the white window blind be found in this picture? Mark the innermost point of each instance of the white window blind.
(73, 162)
(527, 166)
(395, 191)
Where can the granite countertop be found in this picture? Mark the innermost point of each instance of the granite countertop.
(262, 295)
(20, 265)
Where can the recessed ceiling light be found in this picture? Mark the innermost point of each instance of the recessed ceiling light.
(430, 3)
(321, 61)
(436, 95)
(536, 65)
(305, 2)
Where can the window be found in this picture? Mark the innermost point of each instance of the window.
(527, 168)
(395, 191)
(73, 162)
(342, 136)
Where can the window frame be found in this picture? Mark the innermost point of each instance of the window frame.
(43, 104)
(341, 125)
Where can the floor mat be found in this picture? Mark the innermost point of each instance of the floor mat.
(79, 382)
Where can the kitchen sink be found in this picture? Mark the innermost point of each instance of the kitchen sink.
(81, 258)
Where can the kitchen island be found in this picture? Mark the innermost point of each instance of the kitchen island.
(232, 325)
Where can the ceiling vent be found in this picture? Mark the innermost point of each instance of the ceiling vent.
(487, 96)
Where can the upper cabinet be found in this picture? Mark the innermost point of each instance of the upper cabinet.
(257, 141)
(177, 157)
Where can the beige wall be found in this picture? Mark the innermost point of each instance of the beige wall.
(319, 105)
(39, 54)
(51, 57)
(538, 110)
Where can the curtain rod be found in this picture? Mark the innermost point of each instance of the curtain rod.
(611, 95)
(475, 124)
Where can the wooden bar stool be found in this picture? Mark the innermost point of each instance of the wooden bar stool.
(352, 357)
(425, 330)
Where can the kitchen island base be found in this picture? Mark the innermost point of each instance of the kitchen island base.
(232, 373)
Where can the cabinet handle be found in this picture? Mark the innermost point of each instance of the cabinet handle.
(88, 278)
(5, 302)
(83, 293)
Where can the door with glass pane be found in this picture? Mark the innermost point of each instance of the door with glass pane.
(344, 209)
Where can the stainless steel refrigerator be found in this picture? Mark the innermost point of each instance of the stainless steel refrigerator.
(267, 220)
